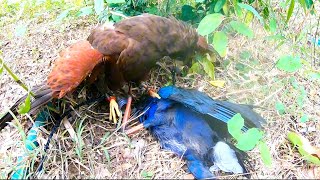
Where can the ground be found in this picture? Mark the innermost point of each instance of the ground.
(250, 77)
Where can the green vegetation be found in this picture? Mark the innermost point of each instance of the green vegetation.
(219, 21)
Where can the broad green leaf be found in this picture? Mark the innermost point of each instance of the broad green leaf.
(265, 154)
(63, 15)
(85, 11)
(308, 157)
(209, 23)
(304, 118)
(265, 12)
(289, 63)
(226, 8)
(309, 3)
(242, 28)
(200, 1)
(273, 25)
(294, 138)
(290, 10)
(21, 30)
(219, 5)
(238, 10)
(195, 68)
(187, 13)
(220, 43)
(249, 140)
(98, 6)
(251, 9)
(304, 147)
(303, 4)
(208, 67)
(25, 107)
(115, 1)
(280, 107)
(235, 125)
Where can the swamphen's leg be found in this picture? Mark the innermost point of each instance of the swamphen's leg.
(127, 112)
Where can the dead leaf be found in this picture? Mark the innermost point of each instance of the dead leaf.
(188, 176)
(304, 143)
(315, 151)
(218, 83)
(126, 166)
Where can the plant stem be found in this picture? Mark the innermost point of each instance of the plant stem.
(15, 77)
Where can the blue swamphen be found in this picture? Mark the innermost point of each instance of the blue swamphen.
(193, 125)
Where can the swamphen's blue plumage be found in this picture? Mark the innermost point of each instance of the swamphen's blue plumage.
(193, 125)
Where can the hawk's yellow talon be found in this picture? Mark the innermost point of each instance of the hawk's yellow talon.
(114, 110)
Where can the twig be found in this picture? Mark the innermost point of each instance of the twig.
(15, 77)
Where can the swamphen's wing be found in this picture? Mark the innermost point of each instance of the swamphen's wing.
(221, 110)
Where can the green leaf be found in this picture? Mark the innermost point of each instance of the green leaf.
(275, 37)
(106, 153)
(248, 18)
(187, 13)
(309, 3)
(273, 25)
(294, 139)
(25, 107)
(146, 174)
(235, 125)
(220, 43)
(63, 15)
(242, 28)
(115, 1)
(238, 10)
(208, 67)
(219, 5)
(290, 10)
(314, 75)
(303, 4)
(304, 118)
(209, 23)
(98, 6)
(249, 140)
(280, 107)
(251, 9)
(85, 11)
(1, 69)
(195, 68)
(21, 30)
(308, 157)
(289, 63)
(265, 154)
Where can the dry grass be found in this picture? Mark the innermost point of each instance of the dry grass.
(31, 58)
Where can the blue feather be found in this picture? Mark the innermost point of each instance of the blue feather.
(193, 125)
